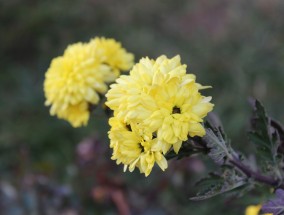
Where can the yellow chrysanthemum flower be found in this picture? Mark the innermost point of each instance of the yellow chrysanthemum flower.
(75, 80)
(254, 210)
(164, 100)
(134, 147)
(130, 98)
(113, 54)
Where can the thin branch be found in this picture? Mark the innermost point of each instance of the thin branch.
(256, 175)
(236, 162)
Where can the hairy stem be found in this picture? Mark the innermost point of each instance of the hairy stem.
(236, 162)
(255, 175)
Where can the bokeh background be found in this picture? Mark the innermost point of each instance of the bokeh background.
(47, 167)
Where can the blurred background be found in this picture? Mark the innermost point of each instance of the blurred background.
(49, 168)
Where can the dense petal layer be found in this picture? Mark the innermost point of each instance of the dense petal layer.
(164, 102)
(78, 77)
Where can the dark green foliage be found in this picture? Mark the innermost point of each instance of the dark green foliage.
(265, 134)
(220, 151)
(219, 183)
(187, 149)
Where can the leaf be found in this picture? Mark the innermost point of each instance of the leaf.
(215, 139)
(267, 135)
(276, 205)
(263, 134)
(280, 129)
(186, 150)
(216, 184)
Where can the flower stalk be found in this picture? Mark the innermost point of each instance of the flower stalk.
(256, 175)
(233, 159)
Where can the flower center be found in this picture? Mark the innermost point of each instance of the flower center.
(128, 127)
(145, 146)
(141, 147)
(176, 110)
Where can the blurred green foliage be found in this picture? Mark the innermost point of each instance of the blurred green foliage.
(235, 46)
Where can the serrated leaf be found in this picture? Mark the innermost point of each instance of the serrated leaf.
(219, 148)
(276, 205)
(241, 191)
(217, 184)
(265, 136)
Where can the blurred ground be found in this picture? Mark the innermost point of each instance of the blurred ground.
(47, 167)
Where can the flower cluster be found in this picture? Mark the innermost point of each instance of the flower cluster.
(74, 81)
(156, 108)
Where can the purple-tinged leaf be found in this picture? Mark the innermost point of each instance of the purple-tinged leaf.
(276, 205)
(219, 148)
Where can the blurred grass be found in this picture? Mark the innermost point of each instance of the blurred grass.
(234, 46)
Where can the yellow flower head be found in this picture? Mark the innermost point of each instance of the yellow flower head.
(113, 54)
(133, 147)
(164, 100)
(75, 80)
(254, 210)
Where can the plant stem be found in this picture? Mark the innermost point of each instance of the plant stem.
(236, 162)
(256, 175)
